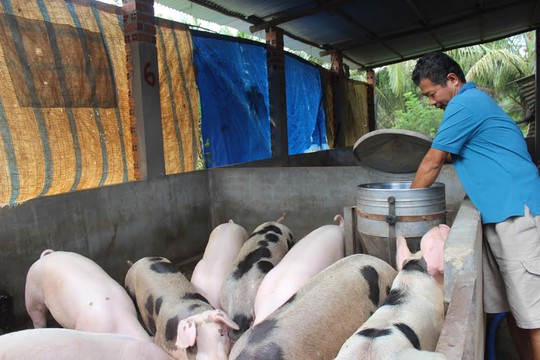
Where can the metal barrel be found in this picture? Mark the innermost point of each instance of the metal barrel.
(387, 210)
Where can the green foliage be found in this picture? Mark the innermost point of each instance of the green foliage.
(494, 67)
(418, 116)
(207, 155)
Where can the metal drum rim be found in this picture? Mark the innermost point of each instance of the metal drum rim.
(370, 186)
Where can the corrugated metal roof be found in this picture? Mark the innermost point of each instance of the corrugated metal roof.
(372, 33)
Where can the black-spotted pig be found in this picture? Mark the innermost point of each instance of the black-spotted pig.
(413, 314)
(80, 295)
(182, 320)
(68, 344)
(224, 244)
(265, 248)
(316, 321)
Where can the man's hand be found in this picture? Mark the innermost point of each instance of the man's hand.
(429, 168)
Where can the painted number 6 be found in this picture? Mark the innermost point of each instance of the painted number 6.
(149, 76)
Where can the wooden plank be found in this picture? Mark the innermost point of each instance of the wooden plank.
(349, 215)
(459, 331)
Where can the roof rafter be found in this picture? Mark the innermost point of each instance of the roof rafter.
(326, 6)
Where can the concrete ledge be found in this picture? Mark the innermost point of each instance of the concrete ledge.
(463, 334)
(457, 335)
(463, 250)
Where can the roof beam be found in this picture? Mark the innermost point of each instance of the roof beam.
(211, 5)
(367, 31)
(535, 12)
(423, 21)
(456, 19)
(328, 5)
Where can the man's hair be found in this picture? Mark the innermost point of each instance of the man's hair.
(435, 67)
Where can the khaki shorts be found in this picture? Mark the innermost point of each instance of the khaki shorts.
(511, 269)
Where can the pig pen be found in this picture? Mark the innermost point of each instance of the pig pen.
(174, 215)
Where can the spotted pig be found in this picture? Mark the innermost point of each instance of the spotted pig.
(182, 320)
(265, 247)
(316, 321)
(412, 316)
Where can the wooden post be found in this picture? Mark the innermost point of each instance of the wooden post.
(145, 108)
(277, 95)
(536, 107)
(372, 82)
(339, 88)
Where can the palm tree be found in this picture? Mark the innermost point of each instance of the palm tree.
(492, 66)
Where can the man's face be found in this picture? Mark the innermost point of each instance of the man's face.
(438, 95)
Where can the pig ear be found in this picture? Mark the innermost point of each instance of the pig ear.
(402, 252)
(445, 231)
(186, 333)
(220, 316)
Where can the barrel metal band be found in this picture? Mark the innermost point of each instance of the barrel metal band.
(410, 218)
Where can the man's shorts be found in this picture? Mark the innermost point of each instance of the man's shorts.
(511, 269)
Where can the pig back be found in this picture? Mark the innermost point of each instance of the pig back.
(222, 248)
(265, 248)
(230, 233)
(68, 344)
(162, 292)
(313, 253)
(66, 282)
(318, 319)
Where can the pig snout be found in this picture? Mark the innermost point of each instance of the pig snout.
(208, 330)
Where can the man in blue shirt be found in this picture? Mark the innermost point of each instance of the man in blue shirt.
(491, 159)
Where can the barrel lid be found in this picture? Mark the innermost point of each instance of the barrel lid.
(392, 150)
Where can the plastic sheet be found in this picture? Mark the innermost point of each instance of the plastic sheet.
(305, 110)
(233, 85)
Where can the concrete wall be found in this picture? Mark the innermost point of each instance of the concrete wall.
(110, 225)
(463, 334)
(311, 196)
(174, 215)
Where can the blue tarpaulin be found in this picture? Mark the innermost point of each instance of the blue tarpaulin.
(232, 78)
(305, 111)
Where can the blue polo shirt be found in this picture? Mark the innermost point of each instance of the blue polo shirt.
(490, 156)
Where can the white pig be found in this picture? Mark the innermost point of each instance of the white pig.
(413, 354)
(265, 248)
(316, 320)
(413, 314)
(182, 320)
(313, 253)
(223, 246)
(80, 295)
(68, 344)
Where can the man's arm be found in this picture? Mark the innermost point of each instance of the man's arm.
(429, 168)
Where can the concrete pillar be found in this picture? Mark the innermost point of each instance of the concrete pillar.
(277, 94)
(145, 109)
(339, 88)
(537, 107)
(372, 83)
